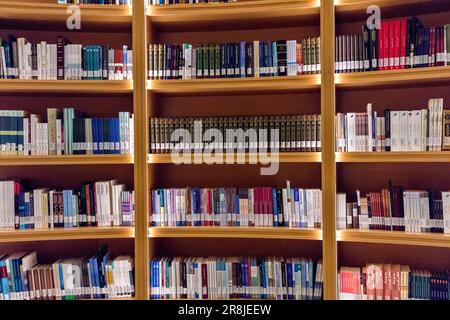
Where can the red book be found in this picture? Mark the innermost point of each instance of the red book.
(387, 281)
(270, 204)
(403, 36)
(391, 46)
(395, 274)
(386, 45)
(441, 59)
(432, 50)
(381, 46)
(397, 46)
(204, 281)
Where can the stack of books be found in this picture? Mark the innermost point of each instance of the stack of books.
(397, 209)
(392, 282)
(398, 44)
(66, 132)
(246, 207)
(98, 277)
(21, 59)
(234, 60)
(405, 130)
(103, 203)
(236, 278)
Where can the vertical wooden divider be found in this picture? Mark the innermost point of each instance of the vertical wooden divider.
(141, 247)
(329, 246)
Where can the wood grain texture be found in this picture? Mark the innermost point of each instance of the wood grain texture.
(66, 86)
(106, 17)
(65, 160)
(328, 145)
(393, 157)
(374, 79)
(235, 85)
(285, 157)
(235, 233)
(59, 234)
(141, 249)
(242, 14)
(394, 238)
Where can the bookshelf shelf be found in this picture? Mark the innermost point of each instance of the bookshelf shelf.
(286, 157)
(393, 157)
(235, 232)
(66, 86)
(38, 12)
(394, 237)
(419, 76)
(235, 85)
(65, 160)
(67, 234)
(232, 15)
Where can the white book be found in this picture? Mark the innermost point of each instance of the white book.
(416, 130)
(440, 111)
(430, 125)
(369, 128)
(404, 130)
(424, 129)
(351, 132)
(446, 211)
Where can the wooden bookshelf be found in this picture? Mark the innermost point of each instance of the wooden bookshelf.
(38, 12)
(285, 157)
(66, 86)
(82, 233)
(235, 232)
(245, 20)
(404, 77)
(394, 238)
(244, 14)
(393, 157)
(235, 85)
(99, 159)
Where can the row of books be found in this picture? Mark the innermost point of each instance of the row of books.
(103, 203)
(167, 2)
(284, 133)
(401, 131)
(104, 2)
(236, 277)
(234, 60)
(246, 207)
(66, 132)
(97, 277)
(21, 59)
(398, 44)
(392, 282)
(397, 209)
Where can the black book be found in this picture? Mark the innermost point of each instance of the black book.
(387, 119)
(249, 62)
(282, 58)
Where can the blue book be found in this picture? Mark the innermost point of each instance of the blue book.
(162, 205)
(61, 278)
(94, 136)
(101, 140)
(237, 210)
(290, 280)
(274, 59)
(4, 280)
(275, 208)
(242, 53)
(264, 294)
(296, 200)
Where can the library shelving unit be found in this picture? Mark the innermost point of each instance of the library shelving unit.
(44, 20)
(398, 90)
(325, 94)
(225, 22)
